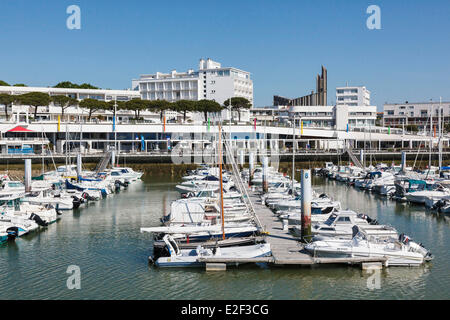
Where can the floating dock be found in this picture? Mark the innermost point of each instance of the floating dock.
(286, 249)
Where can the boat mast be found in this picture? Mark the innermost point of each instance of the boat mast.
(431, 139)
(293, 155)
(115, 134)
(221, 182)
(440, 135)
(42, 150)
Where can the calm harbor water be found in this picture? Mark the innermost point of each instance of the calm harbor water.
(104, 241)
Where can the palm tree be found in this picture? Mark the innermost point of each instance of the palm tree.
(238, 103)
(7, 100)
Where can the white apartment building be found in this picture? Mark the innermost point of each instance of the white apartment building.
(352, 96)
(211, 82)
(332, 117)
(416, 113)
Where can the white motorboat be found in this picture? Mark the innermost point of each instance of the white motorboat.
(45, 197)
(428, 197)
(127, 173)
(192, 257)
(13, 207)
(197, 233)
(16, 226)
(398, 252)
(387, 190)
(3, 236)
(340, 224)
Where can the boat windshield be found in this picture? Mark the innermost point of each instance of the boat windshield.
(174, 246)
(331, 219)
(15, 185)
(277, 185)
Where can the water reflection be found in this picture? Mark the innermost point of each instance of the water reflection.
(104, 240)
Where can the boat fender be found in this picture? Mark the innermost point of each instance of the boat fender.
(38, 220)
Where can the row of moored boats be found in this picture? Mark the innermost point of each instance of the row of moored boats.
(52, 193)
(425, 187)
(196, 230)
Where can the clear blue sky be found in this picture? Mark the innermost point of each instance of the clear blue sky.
(282, 43)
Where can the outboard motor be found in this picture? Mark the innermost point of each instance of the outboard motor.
(117, 185)
(438, 205)
(404, 238)
(76, 202)
(368, 219)
(13, 233)
(355, 231)
(38, 220)
(86, 196)
(188, 195)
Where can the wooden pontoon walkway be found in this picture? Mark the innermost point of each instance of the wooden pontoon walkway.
(286, 249)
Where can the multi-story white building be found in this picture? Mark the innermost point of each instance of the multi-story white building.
(415, 113)
(211, 81)
(330, 117)
(352, 96)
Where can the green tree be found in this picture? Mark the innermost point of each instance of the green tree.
(93, 105)
(20, 85)
(137, 105)
(412, 128)
(70, 85)
(64, 102)
(207, 106)
(34, 99)
(114, 106)
(238, 103)
(159, 105)
(4, 84)
(87, 86)
(6, 100)
(184, 106)
(447, 127)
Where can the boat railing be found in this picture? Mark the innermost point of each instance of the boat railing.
(240, 184)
